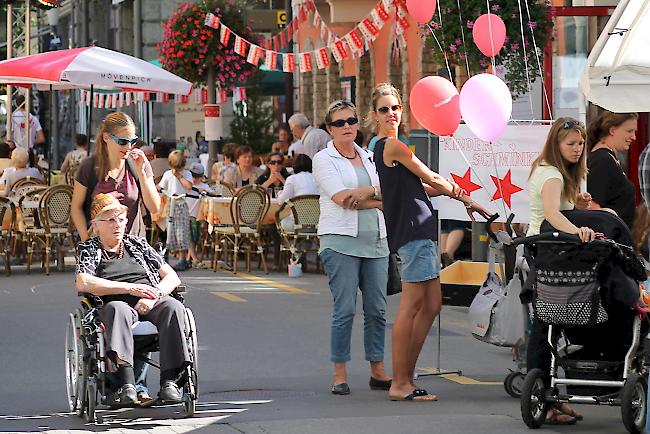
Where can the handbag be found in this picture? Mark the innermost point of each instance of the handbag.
(394, 285)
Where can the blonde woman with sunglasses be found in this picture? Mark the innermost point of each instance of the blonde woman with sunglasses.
(116, 168)
(353, 246)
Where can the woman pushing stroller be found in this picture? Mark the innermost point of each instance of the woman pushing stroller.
(554, 185)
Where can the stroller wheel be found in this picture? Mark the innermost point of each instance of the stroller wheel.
(513, 383)
(533, 400)
(633, 403)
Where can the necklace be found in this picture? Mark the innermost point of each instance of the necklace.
(120, 253)
(345, 156)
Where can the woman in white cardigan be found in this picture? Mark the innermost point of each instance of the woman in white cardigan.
(353, 246)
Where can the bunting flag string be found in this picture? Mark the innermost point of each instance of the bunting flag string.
(352, 45)
(124, 99)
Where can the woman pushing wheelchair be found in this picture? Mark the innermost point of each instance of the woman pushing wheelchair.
(134, 282)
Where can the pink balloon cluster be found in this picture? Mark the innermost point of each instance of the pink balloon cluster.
(484, 101)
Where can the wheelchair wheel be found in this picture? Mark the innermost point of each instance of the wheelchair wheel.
(633, 403)
(191, 387)
(73, 360)
(533, 400)
(91, 401)
(513, 383)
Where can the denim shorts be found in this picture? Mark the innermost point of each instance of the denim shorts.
(420, 261)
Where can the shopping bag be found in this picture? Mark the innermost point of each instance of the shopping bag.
(480, 311)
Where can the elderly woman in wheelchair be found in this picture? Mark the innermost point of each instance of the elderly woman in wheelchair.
(134, 284)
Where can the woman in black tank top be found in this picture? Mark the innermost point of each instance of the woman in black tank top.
(406, 184)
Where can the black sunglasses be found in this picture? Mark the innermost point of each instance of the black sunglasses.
(341, 122)
(124, 142)
(394, 108)
(573, 124)
(275, 162)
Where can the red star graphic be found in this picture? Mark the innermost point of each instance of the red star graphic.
(465, 182)
(506, 188)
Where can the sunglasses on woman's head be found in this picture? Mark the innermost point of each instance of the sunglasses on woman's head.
(572, 124)
(385, 109)
(124, 142)
(275, 162)
(341, 122)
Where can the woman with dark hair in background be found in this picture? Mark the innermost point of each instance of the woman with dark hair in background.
(301, 182)
(607, 136)
(73, 158)
(275, 175)
(284, 140)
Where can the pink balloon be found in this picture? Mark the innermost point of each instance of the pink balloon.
(489, 34)
(434, 103)
(486, 105)
(421, 10)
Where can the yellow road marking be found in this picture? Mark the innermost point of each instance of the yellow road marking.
(278, 285)
(230, 297)
(461, 379)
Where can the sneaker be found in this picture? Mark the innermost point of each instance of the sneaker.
(127, 394)
(181, 265)
(170, 392)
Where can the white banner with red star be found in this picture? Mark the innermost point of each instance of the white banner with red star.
(497, 175)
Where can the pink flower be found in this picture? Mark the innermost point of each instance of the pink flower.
(532, 25)
(458, 41)
(495, 8)
(470, 24)
(514, 47)
(453, 48)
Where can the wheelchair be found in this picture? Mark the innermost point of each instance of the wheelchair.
(87, 381)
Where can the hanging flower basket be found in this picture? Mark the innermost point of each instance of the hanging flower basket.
(189, 48)
(537, 31)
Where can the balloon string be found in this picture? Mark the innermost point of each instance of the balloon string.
(496, 170)
(457, 146)
(444, 53)
(462, 34)
(494, 66)
(523, 45)
(539, 65)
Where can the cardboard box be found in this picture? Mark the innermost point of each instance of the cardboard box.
(461, 281)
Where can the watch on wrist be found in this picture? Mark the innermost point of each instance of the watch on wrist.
(469, 205)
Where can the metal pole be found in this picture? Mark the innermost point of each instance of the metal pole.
(84, 22)
(28, 96)
(90, 115)
(288, 77)
(10, 51)
(56, 145)
(212, 99)
(137, 28)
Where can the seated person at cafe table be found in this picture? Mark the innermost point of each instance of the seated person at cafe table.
(18, 170)
(244, 173)
(275, 176)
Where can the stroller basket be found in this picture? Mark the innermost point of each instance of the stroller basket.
(568, 305)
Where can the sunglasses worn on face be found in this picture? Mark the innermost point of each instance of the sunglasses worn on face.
(572, 124)
(116, 221)
(394, 108)
(124, 142)
(275, 162)
(341, 122)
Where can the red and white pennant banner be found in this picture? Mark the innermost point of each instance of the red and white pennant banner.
(305, 62)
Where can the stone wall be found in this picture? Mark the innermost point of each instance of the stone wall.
(365, 83)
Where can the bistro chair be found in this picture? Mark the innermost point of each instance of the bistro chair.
(7, 224)
(28, 180)
(299, 237)
(54, 210)
(247, 209)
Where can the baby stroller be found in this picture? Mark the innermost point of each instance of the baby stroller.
(586, 294)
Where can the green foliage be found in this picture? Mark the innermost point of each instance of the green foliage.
(450, 35)
(253, 120)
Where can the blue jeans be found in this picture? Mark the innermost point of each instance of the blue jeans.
(346, 274)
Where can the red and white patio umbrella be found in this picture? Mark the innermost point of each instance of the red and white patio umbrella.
(91, 67)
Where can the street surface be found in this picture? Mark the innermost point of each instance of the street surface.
(264, 367)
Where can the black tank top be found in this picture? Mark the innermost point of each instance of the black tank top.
(407, 208)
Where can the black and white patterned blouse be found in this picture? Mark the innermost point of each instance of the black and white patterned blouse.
(90, 256)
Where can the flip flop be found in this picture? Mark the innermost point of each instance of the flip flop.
(565, 409)
(556, 417)
(415, 394)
